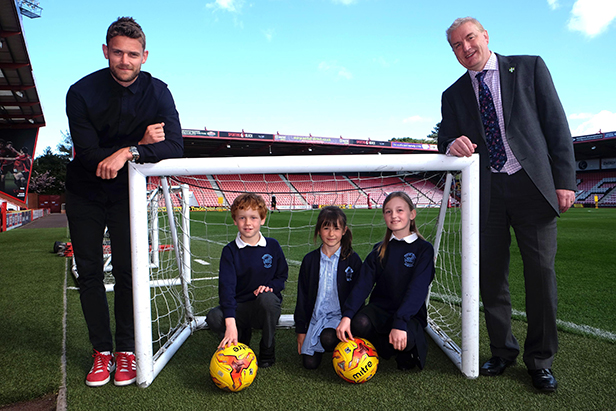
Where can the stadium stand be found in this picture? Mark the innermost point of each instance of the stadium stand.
(328, 189)
(206, 191)
(305, 190)
(600, 183)
(313, 190)
(233, 185)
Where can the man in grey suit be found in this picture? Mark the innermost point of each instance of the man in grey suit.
(506, 109)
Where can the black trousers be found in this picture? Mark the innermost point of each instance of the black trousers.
(87, 221)
(516, 203)
(375, 324)
(262, 313)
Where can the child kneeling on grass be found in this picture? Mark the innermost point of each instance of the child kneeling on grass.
(400, 269)
(326, 278)
(252, 275)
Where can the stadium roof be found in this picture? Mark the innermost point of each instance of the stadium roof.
(209, 143)
(20, 106)
(600, 145)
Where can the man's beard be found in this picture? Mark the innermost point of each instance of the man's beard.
(131, 77)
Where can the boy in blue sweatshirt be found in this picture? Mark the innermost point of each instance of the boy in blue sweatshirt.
(252, 275)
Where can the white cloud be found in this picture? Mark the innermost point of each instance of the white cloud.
(592, 17)
(345, 2)
(415, 119)
(269, 34)
(232, 6)
(604, 121)
(343, 72)
(553, 4)
(381, 61)
(334, 67)
(580, 116)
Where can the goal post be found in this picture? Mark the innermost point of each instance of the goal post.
(150, 361)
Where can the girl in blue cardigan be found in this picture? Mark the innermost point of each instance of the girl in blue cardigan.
(397, 276)
(326, 278)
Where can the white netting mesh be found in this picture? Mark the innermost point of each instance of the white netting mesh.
(298, 198)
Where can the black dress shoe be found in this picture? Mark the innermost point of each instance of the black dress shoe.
(266, 363)
(543, 379)
(406, 360)
(495, 366)
(267, 356)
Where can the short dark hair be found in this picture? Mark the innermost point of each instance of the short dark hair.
(128, 27)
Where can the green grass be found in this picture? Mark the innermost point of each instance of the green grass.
(31, 311)
(585, 269)
(32, 282)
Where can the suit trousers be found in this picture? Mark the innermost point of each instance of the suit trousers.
(516, 203)
(87, 221)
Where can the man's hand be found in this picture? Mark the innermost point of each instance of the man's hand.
(153, 134)
(462, 147)
(566, 198)
(109, 167)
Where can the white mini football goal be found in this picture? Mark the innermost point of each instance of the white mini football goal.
(180, 222)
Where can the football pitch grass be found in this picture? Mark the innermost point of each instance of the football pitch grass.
(33, 281)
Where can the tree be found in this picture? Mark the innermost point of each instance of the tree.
(49, 173)
(49, 170)
(42, 183)
(434, 134)
(66, 146)
(411, 140)
(430, 138)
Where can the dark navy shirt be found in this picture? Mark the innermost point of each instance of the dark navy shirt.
(308, 284)
(401, 282)
(243, 270)
(104, 117)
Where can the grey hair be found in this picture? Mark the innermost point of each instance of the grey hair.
(460, 21)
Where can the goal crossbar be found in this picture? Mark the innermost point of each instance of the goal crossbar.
(465, 357)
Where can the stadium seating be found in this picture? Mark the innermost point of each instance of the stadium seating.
(205, 193)
(305, 190)
(327, 189)
(264, 184)
(599, 183)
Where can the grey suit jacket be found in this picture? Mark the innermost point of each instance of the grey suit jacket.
(535, 125)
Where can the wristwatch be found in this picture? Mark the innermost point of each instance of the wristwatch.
(133, 150)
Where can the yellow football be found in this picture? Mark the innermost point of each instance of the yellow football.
(233, 368)
(355, 361)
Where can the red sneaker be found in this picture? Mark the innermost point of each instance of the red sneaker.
(126, 372)
(100, 373)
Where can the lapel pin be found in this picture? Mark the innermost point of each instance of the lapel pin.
(511, 69)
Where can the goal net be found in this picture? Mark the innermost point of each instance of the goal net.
(180, 222)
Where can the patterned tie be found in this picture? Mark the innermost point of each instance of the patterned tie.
(498, 157)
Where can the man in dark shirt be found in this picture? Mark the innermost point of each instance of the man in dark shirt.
(117, 114)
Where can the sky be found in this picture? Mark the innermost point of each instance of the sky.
(364, 69)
